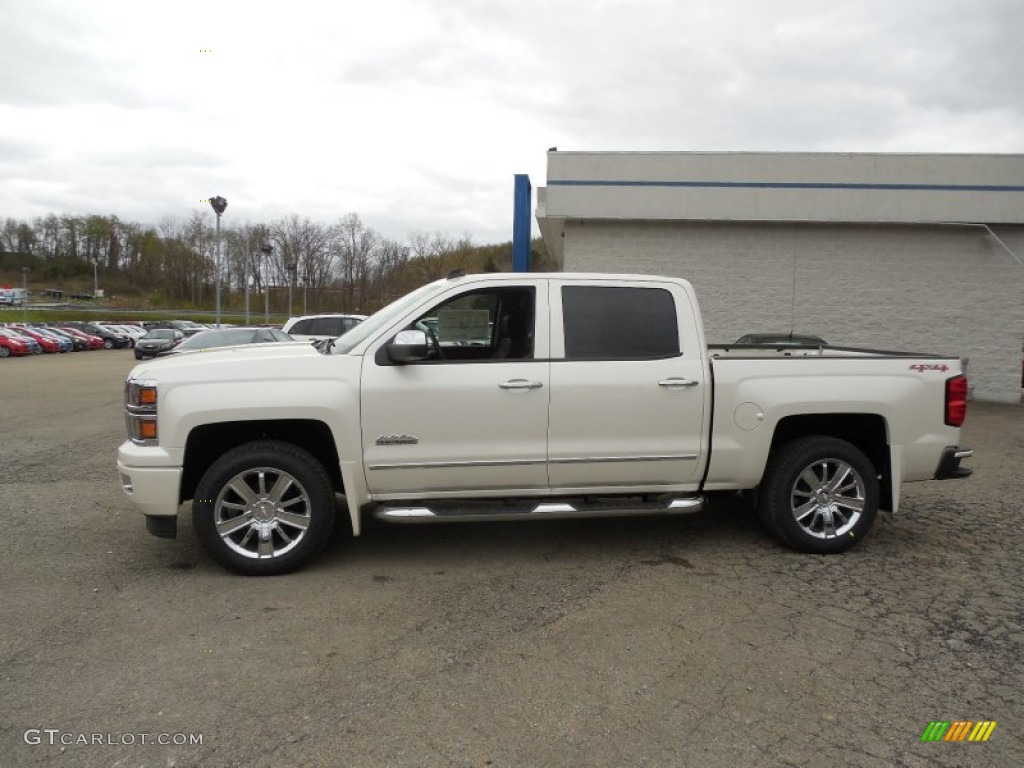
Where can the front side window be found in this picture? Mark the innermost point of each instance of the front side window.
(614, 323)
(488, 324)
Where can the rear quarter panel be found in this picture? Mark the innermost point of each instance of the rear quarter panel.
(752, 396)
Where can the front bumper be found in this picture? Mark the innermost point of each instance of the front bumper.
(153, 490)
(949, 465)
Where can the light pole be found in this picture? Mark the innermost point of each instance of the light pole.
(218, 204)
(305, 291)
(95, 280)
(266, 249)
(24, 288)
(245, 276)
(292, 266)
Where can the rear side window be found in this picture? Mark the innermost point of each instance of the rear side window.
(301, 327)
(326, 326)
(612, 323)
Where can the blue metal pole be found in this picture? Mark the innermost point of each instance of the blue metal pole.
(521, 225)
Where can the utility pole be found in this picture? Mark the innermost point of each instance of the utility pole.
(266, 249)
(292, 266)
(218, 204)
(245, 277)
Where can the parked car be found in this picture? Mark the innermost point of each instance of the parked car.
(66, 345)
(77, 343)
(158, 341)
(782, 340)
(111, 339)
(318, 327)
(187, 327)
(33, 346)
(47, 343)
(92, 342)
(11, 344)
(230, 337)
(133, 334)
(137, 331)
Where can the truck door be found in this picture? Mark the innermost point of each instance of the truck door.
(474, 417)
(628, 389)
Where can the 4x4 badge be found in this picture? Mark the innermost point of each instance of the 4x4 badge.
(397, 440)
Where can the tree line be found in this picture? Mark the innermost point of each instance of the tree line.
(342, 266)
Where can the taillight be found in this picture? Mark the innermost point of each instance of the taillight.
(956, 400)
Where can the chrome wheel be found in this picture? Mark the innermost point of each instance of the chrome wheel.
(820, 494)
(827, 499)
(262, 513)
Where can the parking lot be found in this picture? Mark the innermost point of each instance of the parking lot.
(662, 642)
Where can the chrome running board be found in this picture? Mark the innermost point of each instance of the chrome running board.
(463, 511)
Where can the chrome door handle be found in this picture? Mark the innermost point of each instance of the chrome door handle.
(675, 383)
(520, 384)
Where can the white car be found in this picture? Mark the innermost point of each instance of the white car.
(319, 327)
(133, 332)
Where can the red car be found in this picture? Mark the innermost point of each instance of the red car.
(95, 342)
(48, 343)
(11, 344)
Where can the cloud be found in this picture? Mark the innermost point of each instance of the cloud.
(417, 113)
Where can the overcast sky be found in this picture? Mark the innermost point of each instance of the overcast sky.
(417, 114)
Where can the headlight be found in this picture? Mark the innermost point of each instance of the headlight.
(140, 402)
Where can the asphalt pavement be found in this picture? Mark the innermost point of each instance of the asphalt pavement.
(694, 641)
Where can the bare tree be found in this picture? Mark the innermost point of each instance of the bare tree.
(389, 274)
(435, 256)
(305, 245)
(355, 246)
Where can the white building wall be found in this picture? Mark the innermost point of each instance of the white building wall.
(931, 288)
(785, 186)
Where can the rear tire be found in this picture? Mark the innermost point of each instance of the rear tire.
(264, 508)
(820, 495)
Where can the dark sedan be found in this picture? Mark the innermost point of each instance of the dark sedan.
(231, 337)
(157, 341)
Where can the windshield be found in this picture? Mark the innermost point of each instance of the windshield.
(160, 333)
(382, 318)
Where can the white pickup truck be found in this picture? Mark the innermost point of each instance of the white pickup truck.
(530, 397)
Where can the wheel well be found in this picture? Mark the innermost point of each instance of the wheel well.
(868, 432)
(209, 442)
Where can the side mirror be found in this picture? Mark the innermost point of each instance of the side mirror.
(408, 347)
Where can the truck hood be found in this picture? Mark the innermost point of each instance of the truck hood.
(273, 360)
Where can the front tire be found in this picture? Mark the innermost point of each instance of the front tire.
(820, 495)
(264, 508)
